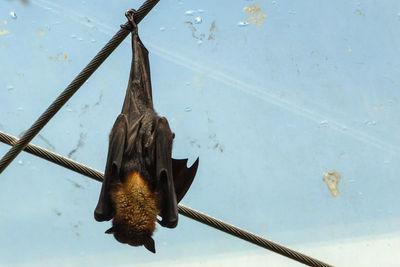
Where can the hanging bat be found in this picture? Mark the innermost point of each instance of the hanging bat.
(141, 180)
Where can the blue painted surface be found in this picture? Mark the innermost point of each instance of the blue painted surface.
(269, 109)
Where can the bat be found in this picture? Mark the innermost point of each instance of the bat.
(141, 179)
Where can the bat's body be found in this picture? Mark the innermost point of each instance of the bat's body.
(136, 209)
(141, 179)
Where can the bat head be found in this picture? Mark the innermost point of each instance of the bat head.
(133, 238)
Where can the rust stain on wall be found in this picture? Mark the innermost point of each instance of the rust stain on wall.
(332, 180)
(60, 57)
(255, 14)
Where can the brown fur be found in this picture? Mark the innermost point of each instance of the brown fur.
(136, 210)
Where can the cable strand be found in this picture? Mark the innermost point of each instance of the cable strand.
(183, 210)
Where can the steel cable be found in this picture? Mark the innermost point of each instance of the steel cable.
(73, 87)
(185, 211)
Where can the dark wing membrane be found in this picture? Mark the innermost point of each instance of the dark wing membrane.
(163, 147)
(138, 96)
(183, 176)
(104, 210)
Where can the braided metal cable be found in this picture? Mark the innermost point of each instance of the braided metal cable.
(250, 237)
(55, 158)
(183, 210)
(73, 87)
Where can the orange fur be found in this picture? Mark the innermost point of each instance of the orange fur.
(136, 209)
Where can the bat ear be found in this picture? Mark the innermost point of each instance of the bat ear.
(149, 244)
(110, 231)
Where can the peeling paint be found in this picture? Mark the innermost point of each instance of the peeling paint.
(60, 57)
(332, 180)
(193, 30)
(255, 14)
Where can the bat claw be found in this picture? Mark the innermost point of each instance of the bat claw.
(131, 25)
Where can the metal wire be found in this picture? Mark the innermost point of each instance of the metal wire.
(250, 237)
(73, 87)
(185, 211)
(55, 158)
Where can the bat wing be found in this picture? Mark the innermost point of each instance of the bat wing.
(173, 175)
(164, 174)
(183, 176)
(138, 96)
(104, 211)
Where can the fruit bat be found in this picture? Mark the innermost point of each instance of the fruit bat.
(141, 179)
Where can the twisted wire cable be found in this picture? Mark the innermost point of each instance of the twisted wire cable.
(248, 236)
(55, 158)
(73, 87)
(185, 211)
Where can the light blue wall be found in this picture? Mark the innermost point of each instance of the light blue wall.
(268, 109)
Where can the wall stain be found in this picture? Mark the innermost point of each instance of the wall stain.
(2, 32)
(199, 38)
(84, 109)
(60, 57)
(212, 28)
(216, 144)
(332, 180)
(359, 12)
(194, 143)
(255, 14)
(100, 98)
(57, 212)
(79, 145)
(75, 228)
(47, 142)
(76, 185)
(192, 29)
(41, 32)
